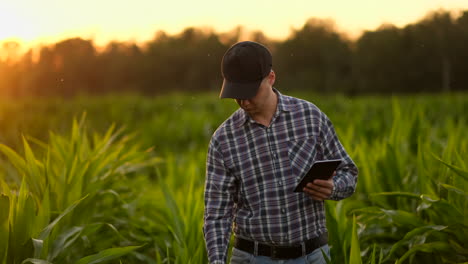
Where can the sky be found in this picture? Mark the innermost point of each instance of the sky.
(47, 21)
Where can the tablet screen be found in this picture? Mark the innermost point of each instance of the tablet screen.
(322, 169)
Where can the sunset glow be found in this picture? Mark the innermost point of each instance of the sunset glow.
(52, 20)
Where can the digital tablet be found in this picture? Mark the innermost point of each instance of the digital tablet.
(322, 169)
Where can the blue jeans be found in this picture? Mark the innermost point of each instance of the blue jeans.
(316, 257)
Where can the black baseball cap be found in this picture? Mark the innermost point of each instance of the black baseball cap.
(244, 66)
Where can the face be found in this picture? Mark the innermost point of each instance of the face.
(256, 104)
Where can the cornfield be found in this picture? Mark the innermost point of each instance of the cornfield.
(119, 179)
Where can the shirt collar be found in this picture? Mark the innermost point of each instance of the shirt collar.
(284, 105)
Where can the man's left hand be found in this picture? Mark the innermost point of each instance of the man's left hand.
(320, 189)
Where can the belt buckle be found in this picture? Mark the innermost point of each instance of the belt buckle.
(274, 252)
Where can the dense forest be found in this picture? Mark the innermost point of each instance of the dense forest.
(430, 55)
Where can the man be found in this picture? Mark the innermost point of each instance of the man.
(256, 158)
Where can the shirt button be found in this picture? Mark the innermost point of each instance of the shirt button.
(283, 211)
(280, 183)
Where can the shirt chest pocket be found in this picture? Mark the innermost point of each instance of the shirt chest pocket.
(302, 154)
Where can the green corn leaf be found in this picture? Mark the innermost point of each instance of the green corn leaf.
(175, 214)
(43, 214)
(434, 247)
(325, 257)
(25, 213)
(403, 218)
(355, 255)
(35, 261)
(460, 249)
(445, 212)
(76, 186)
(455, 190)
(18, 162)
(396, 194)
(36, 141)
(102, 144)
(45, 233)
(460, 172)
(371, 210)
(4, 188)
(373, 254)
(72, 172)
(420, 231)
(66, 239)
(57, 148)
(38, 245)
(393, 217)
(106, 255)
(4, 226)
(33, 170)
(75, 135)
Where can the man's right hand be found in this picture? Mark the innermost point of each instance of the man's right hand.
(320, 190)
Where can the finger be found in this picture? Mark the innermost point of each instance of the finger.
(323, 183)
(317, 198)
(326, 190)
(315, 195)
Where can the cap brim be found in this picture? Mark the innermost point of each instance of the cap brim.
(241, 91)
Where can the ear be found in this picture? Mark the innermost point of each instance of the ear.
(271, 78)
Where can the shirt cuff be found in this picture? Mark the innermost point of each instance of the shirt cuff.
(335, 192)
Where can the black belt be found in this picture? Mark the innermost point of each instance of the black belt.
(281, 252)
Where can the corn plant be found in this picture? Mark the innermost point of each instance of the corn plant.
(68, 197)
(409, 207)
(417, 201)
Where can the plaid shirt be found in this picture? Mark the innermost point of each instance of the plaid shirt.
(252, 170)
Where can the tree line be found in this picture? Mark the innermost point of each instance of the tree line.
(430, 55)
